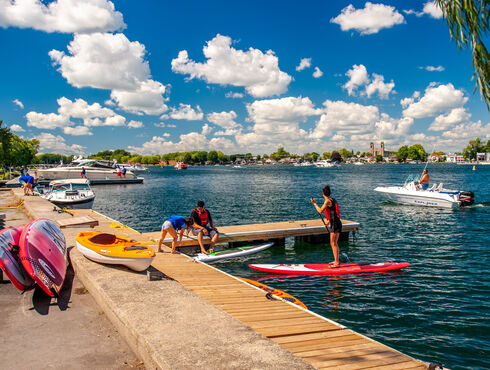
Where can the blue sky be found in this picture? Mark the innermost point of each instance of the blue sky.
(157, 76)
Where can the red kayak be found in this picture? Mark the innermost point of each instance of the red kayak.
(326, 269)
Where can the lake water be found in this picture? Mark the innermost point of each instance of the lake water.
(437, 310)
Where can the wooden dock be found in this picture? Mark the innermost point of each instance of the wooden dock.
(321, 342)
(266, 231)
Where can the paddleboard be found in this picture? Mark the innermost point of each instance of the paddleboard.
(325, 269)
(43, 254)
(232, 253)
(114, 249)
(10, 261)
(276, 292)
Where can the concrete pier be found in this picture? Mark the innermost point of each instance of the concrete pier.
(200, 317)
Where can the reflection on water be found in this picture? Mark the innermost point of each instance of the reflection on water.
(438, 304)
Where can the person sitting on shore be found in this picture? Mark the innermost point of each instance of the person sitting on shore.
(203, 226)
(424, 181)
(171, 225)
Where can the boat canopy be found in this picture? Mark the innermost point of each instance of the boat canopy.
(69, 181)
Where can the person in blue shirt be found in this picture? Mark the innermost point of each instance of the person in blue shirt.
(27, 182)
(171, 225)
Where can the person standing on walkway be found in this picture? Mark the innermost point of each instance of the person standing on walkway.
(330, 208)
(203, 226)
(172, 225)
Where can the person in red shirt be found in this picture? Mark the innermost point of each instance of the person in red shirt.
(203, 226)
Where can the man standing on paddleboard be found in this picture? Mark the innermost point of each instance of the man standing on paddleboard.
(334, 225)
(202, 218)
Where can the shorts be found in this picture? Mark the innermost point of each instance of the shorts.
(336, 227)
(211, 232)
(167, 225)
(425, 186)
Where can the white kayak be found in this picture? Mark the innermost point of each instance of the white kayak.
(232, 253)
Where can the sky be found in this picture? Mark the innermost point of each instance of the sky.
(155, 77)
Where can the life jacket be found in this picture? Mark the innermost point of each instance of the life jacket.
(203, 216)
(332, 213)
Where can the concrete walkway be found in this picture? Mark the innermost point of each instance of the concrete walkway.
(38, 332)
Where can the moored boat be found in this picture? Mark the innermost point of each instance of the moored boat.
(411, 193)
(70, 193)
(115, 250)
(180, 166)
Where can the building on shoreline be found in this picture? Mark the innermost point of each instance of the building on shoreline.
(375, 151)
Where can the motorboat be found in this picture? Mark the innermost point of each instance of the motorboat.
(69, 193)
(134, 168)
(326, 164)
(303, 164)
(180, 166)
(436, 196)
(94, 170)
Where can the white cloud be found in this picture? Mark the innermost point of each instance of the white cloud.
(17, 128)
(369, 20)
(77, 131)
(66, 16)
(345, 118)
(259, 73)
(378, 85)
(206, 129)
(470, 130)
(433, 69)
(359, 77)
(190, 141)
(18, 103)
(318, 73)
(112, 62)
(135, 124)
(223, 119)
(432, 9)
(390, 128)
(454, 117)
(303, 64)
(442, 98)
(48, 121)
(234, 95)
(186, 112)
(49, 143)
(81, 109)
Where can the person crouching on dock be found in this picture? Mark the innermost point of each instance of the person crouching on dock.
(202, 218)
(334, 225)
(171, 225)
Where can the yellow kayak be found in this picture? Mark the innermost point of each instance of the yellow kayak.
(115, 249)
(276, 292)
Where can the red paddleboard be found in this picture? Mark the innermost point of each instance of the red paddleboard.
(10, 261)
(325, 269)
(43, 254)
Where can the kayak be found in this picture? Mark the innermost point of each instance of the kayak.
(232, 253)
(326, 269)
(114, 249)
(276, 292)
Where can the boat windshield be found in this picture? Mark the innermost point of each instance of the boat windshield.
(411, 178)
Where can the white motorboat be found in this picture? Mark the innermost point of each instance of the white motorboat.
(436, 196)
(326, 164)
(70, 193)
(180, 166)
(134, 168)
(94, 170)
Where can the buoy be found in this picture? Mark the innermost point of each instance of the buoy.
(474, 169)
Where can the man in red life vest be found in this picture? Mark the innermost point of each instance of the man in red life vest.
(202, 218)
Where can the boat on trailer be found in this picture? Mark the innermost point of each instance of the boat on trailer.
(436, 196)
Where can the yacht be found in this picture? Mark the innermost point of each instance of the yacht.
(134, 168)
(411, 193)
(326, 164)
(73, 193)
(94, 170)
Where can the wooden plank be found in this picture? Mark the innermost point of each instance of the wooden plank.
(406, 365)
(313, 336)
(296, 329)
(360, 357)
(82, 221)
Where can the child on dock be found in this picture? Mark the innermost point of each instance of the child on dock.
(172, 225)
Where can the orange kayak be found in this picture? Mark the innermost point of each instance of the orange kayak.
(115, 249)
(273, 291)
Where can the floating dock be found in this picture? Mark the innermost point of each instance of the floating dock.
(307, 230)
(201, 317)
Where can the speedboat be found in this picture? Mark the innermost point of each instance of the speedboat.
(411, 193)
(180, 166)
(94, 170)
(69, 193)
(326, 164)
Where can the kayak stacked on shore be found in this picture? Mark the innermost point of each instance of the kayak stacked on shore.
(34, 254)
(114, 250)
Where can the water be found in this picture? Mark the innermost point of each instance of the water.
(437, 310)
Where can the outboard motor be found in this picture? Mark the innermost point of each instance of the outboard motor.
(466, 198)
